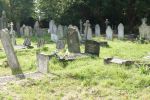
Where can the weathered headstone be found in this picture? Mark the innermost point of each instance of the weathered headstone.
(9, 50)
(65, 31)
(81, 27)
(120, 31)
(60, 44)
(109, 33)
(97, 30)
(51, 24)
(144, 30)
(79, 36)
(12, 34)
(54, 37)
(60, 34)
(37, 28)
(42, 62)
(27, 41)
(3, 20)
(87, 30)
(92, 47)
(73, 40)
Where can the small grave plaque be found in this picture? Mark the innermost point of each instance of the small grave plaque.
(92, 47)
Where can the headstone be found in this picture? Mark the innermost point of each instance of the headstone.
(81, 27)
(97, 30)
(22, 30)
(9, 50)
(12, 34)
(42, 62)
(51, 23)
(107, 23)
(87, 30)
(60, 34)
(92, 47)
(73, 40)
(120, 31)
(27, 41)
(79, 36)
(54, 37)
(65, 31)
(144, 30)
(4, 20)
(31, 31)
(109, 33)
(60, 44)
(36, 28)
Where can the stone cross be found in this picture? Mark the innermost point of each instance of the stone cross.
(120, 31)
(9, 50)
(107, 22)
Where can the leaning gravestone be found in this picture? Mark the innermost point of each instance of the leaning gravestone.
(92, 47)
(109, 33)
(97, 30)
(73, 40)
(9, 50)
(120, 31)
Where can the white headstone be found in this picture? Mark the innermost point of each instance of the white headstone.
(54, 37)
(144, 30)
(60, 34)
(79, 36)
(121, 31)
(109, 33)
(97, 30)
(87, 30)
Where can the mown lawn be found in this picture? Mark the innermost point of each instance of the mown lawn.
(82, 79)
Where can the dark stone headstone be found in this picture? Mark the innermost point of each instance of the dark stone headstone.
(92, 47)
(73, 40)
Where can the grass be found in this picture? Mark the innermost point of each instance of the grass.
(83, 79)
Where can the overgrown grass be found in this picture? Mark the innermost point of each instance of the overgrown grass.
(87, 78)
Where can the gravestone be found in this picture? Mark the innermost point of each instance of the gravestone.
(65, 31)
(73, 40)
(81, 27)
(109, 33)
(22, 30)
(144, 30)
(107, 23)
(60, 44)
(92, 47)
(79, 36)
(42, 62)
(37, 28)
(120, 31)
(9, 50)
(12, 34)
(51, 24)
(60, 34)
(27, 41)
(54, 37)
(87, 30)
(3, 20)
(97, 30)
